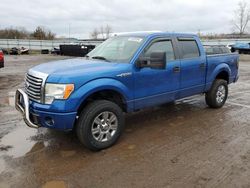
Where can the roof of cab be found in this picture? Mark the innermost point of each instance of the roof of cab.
(154, 33)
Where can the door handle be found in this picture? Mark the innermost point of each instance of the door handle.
(176, 69)
(202, 65)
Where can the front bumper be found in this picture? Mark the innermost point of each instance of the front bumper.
(42, 118)
(22, 105)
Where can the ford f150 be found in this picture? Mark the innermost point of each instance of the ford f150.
(123, 74)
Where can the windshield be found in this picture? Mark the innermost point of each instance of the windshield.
(117, 48)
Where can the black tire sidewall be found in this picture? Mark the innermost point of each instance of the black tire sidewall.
(224, 83)
(211, 94)
(87, 117)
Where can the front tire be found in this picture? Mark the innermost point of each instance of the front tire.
(100, 125)
(217, 95)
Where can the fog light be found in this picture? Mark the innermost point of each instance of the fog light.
(49, 121)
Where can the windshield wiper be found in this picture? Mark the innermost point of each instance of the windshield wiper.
(100, 57)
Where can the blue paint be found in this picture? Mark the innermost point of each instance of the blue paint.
(141, 88)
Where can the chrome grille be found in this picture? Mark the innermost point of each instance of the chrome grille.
(33, 87)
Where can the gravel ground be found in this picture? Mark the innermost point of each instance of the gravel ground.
(185, 144)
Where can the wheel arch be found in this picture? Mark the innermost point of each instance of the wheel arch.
(222, 71)
(105, 89)
(104, 94)
(224, 75)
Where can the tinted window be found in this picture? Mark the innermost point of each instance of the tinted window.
(209, 50)
(217, 50)
(225, 50)
(161, 46)
(189, 48)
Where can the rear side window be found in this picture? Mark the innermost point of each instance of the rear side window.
(189, 48)
(225, 50)
(217, 50)
(212, 50)
(161, 46)
(209, 50)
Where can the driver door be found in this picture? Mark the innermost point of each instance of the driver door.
(157, 86)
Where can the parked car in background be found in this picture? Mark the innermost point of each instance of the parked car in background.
(17, 51)
(1, 59)
(5, 51)
(56, 51)
(229, 46)
(216, 49)
(14, 51)
(241, 48)
(124, 74)
(24, 50)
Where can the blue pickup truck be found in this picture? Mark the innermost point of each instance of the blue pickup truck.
(125, 73)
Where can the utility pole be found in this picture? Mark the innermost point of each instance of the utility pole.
(199, 33)
(69, 31)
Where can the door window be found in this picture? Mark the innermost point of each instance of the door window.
(189, 48)
(161, 46)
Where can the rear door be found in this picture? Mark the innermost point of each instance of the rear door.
(193, 67)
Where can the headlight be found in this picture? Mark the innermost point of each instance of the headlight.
(57, 91)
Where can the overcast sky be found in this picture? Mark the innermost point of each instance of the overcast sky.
(122, 15)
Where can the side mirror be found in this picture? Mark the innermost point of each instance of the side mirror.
(157, 60)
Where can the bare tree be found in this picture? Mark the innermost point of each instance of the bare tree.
(14, 33)
(50, 35)
(94, 34)
(103, 32)
(42, 33)
(242, 17)
(108, 30)
(39, 33)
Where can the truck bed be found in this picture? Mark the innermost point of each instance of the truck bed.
(230, 59)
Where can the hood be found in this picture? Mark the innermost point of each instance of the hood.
(80, 71)
(66, 66)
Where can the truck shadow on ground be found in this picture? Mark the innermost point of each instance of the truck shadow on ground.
(158, 118)
(137, 120)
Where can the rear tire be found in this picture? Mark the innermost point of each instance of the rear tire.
(100, 125)
(217, 95)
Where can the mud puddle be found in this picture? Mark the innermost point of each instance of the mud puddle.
(18, 142)
(54, 184)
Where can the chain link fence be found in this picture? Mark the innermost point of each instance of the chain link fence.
(50, 44)
(42, 44)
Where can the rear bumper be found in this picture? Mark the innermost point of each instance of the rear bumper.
(1, 64)
(236, 78)
(39, 118)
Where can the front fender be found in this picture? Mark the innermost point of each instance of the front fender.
(75, 100)
(98, 85)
